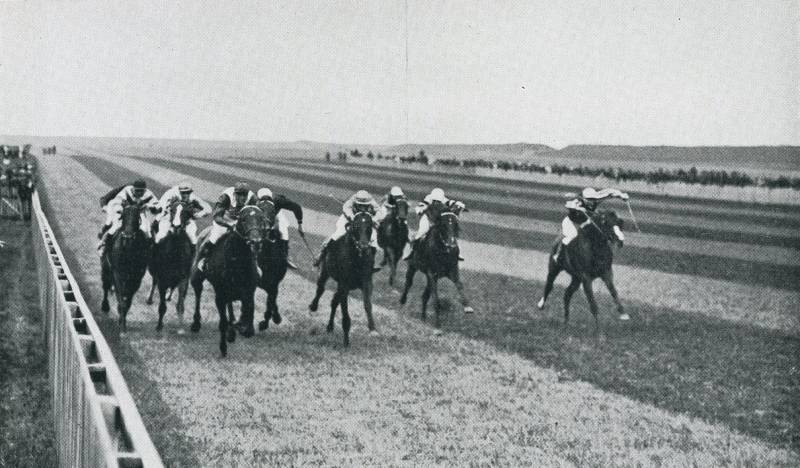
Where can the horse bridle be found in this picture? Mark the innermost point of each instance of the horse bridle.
(253, 228)
(350, 225)
(446, 213)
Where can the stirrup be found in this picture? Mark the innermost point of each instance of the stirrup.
(291, 264)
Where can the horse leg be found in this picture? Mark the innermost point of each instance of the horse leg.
(426, 295)
(608, 279)
(410, 272)
(197, 286)
(323, 278)
(104, 276)
(223, 324)
(247, 317)
(391, 256)
(153, 285)
(552, 272)
(456, 278)
(179, 306)
(162, 307)
(587, 289)
(334, 303)
(169, 294)
(434, 282)
(264, 324)
(573, 286)
(345, 318)
(366, 291)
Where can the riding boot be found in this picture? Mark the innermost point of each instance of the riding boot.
(322, 252)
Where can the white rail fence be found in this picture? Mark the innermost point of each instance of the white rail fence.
(96, 421)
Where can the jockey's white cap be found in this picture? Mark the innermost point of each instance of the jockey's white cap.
(589, 192)
(396, 191)
(185, 188)
(363, 197)
(437, 194)
(264, 193)
(573, 205)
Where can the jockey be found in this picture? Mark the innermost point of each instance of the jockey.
(226, 212)
(435, 199)
(281, 223)
(389, 201)
(135, 193)
(359, 202)
(579, 210)
(184, 193)
(283, 203)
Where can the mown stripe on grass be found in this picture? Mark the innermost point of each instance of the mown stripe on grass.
(762, 216)
(764, 307)
(711, 266)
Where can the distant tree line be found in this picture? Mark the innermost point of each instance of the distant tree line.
(658, 176)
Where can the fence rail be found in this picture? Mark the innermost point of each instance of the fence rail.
(96, 421)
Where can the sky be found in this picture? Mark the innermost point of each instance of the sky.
(390, 72)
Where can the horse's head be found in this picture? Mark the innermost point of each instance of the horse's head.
(251, 226)
(360, 232)
(401, 209)
(131, 219)
(270, 213)
(611, 226)
(180, 213)
(445, 227)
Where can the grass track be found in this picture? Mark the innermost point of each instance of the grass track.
(671, 360)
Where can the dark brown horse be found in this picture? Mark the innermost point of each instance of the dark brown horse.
(232, 270)
(171, 262)
(437, 257)
(587, 257)
(272, 259)
(349, 261)
(125, 261)
(393, 236)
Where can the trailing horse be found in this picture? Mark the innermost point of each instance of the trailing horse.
(393, 236)
(171, 262)
(437, 257)
(125, 261)
(232, 271)
(349, 261)
(272, 259)
(587, 257)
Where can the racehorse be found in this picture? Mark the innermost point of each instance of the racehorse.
(171, 262)
(393, 236)
(23, 181)
(272, 259)
(232, 271)
(349, 261)
(437, 257)
(125, 261)
(587, 257)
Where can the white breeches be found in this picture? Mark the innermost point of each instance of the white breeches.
(423, 228)
(282, 225)
(164, 227)
(113, 219)
(341, 230)
(568, 230)
(217, 231)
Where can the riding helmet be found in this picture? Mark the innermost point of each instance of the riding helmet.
(241, 187)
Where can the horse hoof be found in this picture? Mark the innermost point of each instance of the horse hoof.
(374, 333)
(624, 317)
(195, 327)
(540, 304)
(276, 318)
(403, 299)
(438, 332)
(159, 327)
(231, 335)
(263, 325)
(313, 306)
(248, 331)
(105, 308)
(149, 302)
(329, 328)
(223, 352)
(469, 310)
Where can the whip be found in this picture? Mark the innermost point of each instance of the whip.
(305, 242)
(635, 224)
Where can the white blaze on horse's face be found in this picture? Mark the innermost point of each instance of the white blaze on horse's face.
(619, 233)
(176, 218)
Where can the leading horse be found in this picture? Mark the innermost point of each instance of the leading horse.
(125, 261)
(393, 236)
(437, 257)
(273, 261)
(171, 262)
(232, 270)
(349, 261)
(587, 257)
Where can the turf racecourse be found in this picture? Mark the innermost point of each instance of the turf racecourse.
(633, 389)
